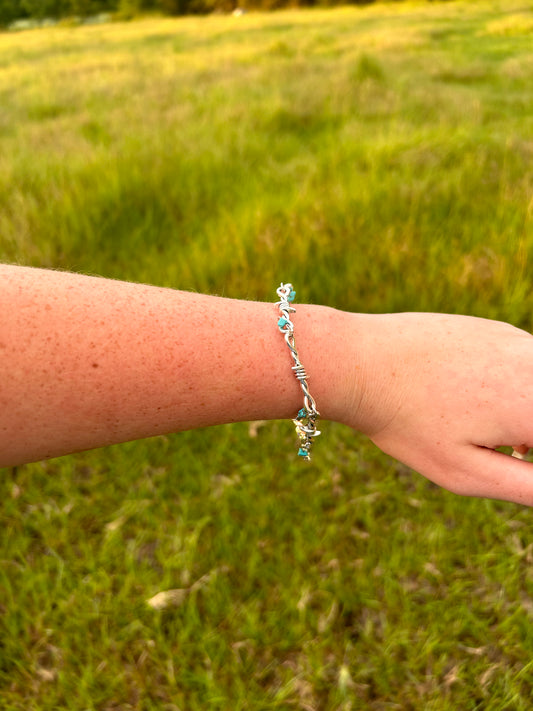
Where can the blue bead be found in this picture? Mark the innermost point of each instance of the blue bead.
(301, 414)
(303, 452)
(282, 322)
(291, 296)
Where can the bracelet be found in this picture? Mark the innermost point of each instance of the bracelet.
(305, 420)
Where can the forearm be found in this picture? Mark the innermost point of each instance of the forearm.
(89, 362)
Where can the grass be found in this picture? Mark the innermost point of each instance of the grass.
(380, 158)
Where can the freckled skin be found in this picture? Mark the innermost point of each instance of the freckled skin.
(88, 362)
(95, 361)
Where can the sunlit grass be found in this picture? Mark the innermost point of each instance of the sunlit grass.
(246, 127)
(381, 159)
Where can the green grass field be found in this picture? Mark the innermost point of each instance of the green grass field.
(381, 159)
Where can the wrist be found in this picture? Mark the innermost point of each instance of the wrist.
(330, 345)
(346, 357)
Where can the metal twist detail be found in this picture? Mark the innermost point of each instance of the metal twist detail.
(305, 420)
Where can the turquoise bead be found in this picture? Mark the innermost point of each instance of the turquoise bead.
(301, 414)
(291, 296)
(303, 452)
(282, 322)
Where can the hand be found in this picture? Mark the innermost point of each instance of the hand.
(441, 393)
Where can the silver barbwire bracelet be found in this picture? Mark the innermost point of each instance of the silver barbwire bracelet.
(305, 420)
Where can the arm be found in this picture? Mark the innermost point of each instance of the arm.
(90, 362)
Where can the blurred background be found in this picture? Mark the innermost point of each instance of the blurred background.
(380, 159)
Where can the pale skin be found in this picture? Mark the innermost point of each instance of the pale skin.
(88, 362)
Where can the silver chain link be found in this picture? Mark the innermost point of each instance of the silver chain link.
(305, 420)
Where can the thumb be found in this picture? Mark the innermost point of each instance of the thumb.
(486, 472)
